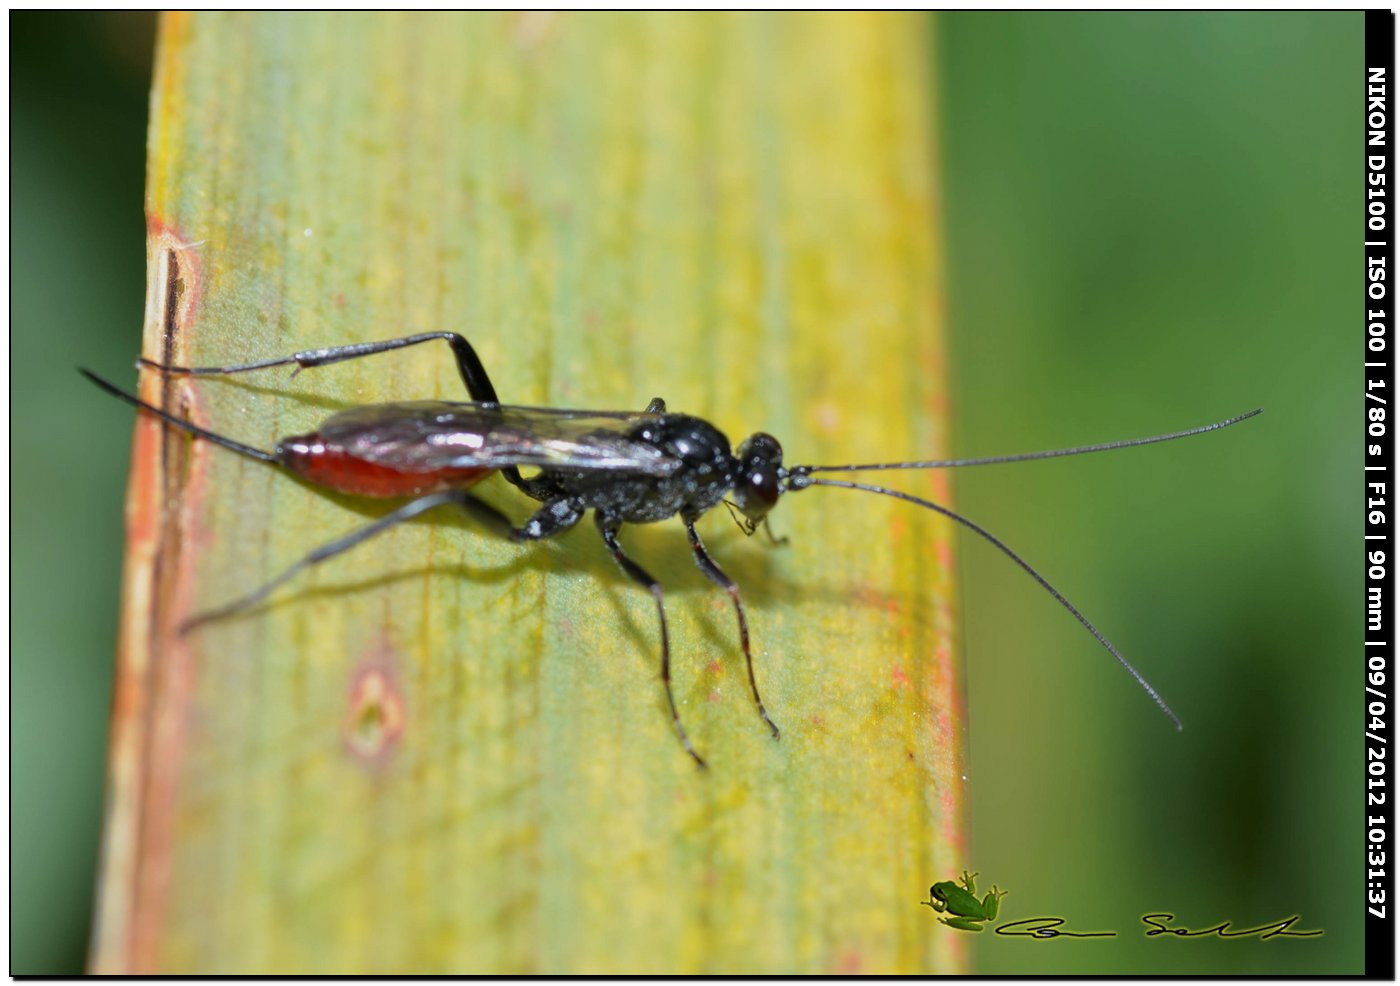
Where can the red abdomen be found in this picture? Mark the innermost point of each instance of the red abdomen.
(331, 466)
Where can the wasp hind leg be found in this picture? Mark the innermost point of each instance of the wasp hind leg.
(468, 363)
(327, 551)
(469, 366)
(555, 517)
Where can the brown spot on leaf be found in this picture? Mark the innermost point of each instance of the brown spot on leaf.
(175, 259)
(375, 717)
(898, 677)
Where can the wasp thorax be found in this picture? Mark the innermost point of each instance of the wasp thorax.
(757, 483)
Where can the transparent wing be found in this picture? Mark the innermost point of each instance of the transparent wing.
(425, 435)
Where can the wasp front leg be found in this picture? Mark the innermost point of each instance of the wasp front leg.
(717, 575)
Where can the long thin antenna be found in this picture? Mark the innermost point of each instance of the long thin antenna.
(1027, 456)
(800, 480)
(193, 429)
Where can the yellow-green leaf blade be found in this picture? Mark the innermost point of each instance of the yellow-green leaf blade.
(442, 753)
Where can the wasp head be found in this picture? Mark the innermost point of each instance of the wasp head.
(759, 478)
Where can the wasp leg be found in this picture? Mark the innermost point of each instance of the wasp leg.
(640, 575)
(407, 512)
(555, 517)
(489, 516)
(773, 539)
(719, 578)
(468, 363)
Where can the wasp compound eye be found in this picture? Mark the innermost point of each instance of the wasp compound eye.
(756, 487)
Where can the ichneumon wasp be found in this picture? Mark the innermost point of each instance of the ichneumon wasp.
(627, 467)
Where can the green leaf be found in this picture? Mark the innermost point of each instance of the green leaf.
(444, 753)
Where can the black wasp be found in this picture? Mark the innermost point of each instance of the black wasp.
(627, 467)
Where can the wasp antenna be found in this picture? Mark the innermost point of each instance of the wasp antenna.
(166, 416)
(802, 481)
(1028, 456)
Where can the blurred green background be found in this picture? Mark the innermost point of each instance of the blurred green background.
(78, 89)
(1151, 223)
